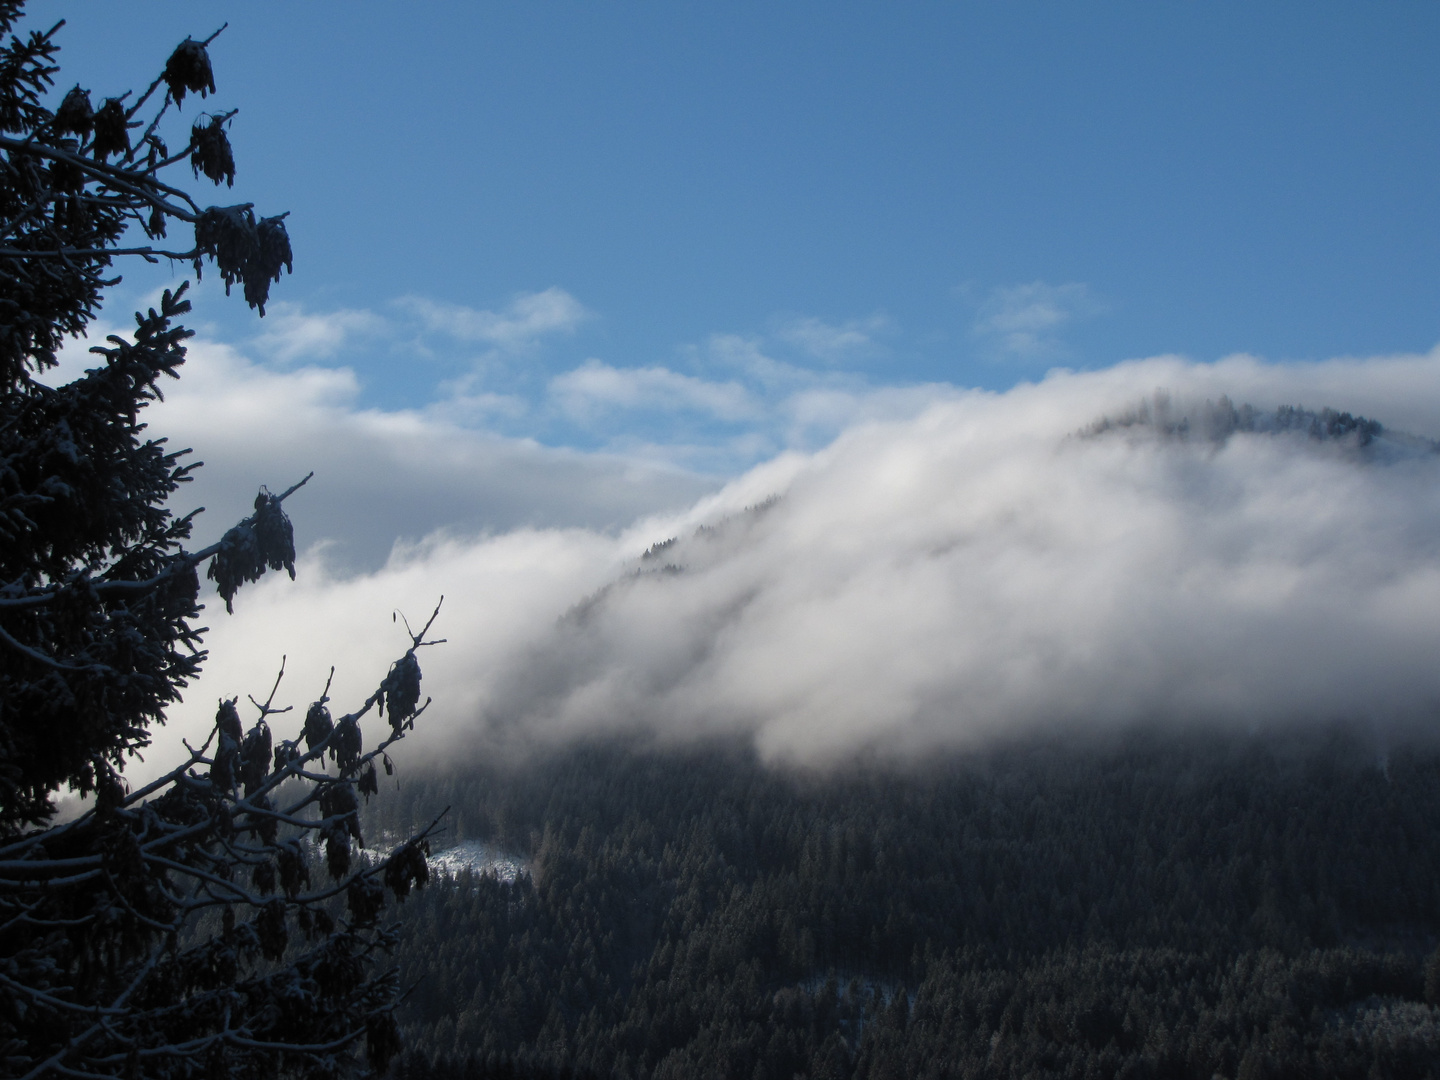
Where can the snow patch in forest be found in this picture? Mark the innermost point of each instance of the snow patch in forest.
(480, 859)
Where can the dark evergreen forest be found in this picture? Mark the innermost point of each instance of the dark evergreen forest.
(1185, 905)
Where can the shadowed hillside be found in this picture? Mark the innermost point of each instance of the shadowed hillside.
(1182, 906)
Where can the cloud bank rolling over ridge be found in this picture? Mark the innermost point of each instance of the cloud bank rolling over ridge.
(970, 570)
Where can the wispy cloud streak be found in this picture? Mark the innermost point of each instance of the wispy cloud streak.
(1026, 322)
(529, 317)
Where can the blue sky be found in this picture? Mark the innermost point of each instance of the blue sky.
(488, 198)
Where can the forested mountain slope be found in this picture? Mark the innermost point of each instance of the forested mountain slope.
(1183, 905)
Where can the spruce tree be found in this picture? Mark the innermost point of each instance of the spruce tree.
(218, 921)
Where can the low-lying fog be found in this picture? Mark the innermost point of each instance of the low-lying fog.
(992, 563)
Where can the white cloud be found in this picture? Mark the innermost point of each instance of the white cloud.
(528, 317)
(746, 356)
(723, 425)
(652, 413)
(830, 342)
(1024, 321)
(381, 475)
(596, 387)
(814, 415)
(292, 334)
(930, 581)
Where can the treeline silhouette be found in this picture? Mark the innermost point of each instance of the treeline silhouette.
(1178, 906)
